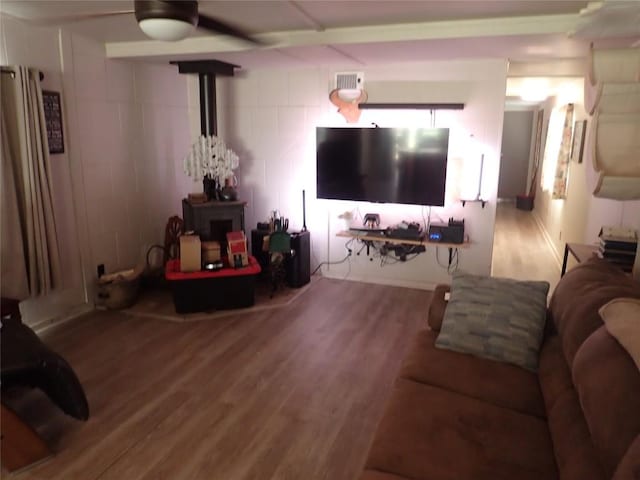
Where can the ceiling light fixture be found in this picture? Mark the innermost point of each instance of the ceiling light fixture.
(534, 89)
(166, 29)
(167, 21)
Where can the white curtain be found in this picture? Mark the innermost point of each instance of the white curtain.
(30, 255)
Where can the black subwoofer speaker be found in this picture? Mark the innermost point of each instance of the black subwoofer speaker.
(298, 265)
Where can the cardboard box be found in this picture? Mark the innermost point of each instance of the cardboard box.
(210, 252)
(190, 253)
(237, 249)
(196, 198)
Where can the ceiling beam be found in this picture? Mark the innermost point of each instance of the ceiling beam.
(529, 25)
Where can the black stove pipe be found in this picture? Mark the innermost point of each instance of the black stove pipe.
(208, 120)
(208, 123)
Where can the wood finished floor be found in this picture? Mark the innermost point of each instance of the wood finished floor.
(519, 249)
(291, 393)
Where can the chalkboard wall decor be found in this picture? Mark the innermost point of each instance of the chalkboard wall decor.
(53, 118)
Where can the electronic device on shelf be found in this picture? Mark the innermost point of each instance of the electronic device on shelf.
(389, 165)
(451, 232)
(367, 231)
(371, 220)
(406, 231)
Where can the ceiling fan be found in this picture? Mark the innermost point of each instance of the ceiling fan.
(174, 20)
(609, 18)
(169, 20)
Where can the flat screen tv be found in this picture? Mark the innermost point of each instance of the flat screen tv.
(387, 165)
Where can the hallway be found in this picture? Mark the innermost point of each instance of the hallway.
(519, 249)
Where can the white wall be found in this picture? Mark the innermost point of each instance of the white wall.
(127, 130)
(579, 217)
(269, 117)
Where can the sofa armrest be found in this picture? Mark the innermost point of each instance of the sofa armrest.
(437, 307)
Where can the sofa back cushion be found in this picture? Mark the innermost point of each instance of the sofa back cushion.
(437, 307)
(608, 385)
(630, 465)
(578, 296)
(575, 453)
(622, 320)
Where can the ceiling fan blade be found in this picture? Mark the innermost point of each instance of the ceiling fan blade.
(78, 17)
(216, 26)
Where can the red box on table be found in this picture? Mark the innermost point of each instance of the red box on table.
(237, 249)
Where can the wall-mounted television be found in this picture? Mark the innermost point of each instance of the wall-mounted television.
(387, 165)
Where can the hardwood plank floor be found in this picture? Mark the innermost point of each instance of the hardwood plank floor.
(520, 250)
(289, 393)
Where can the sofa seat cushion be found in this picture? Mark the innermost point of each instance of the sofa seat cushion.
(428, 433)
(575, 453)
(495, 382)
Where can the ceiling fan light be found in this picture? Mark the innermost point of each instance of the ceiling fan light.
(166, 29)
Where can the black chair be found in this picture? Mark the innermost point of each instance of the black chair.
(27, 362)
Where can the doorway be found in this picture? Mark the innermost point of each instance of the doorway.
(516, 149)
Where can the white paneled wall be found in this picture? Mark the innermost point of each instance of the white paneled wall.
(269, 117)
(133, 132)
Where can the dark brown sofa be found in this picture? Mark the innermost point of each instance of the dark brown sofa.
(453, 416)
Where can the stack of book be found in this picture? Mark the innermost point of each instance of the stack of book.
(619, 247)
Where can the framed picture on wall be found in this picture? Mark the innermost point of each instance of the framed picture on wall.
(53, 119)
(577, 147)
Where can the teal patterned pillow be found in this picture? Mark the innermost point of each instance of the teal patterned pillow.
(496, 318)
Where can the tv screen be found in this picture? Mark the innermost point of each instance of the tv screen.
(389, 165)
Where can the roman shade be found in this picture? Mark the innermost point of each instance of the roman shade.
(612, 96)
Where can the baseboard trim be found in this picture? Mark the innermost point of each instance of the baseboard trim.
(71, 314)
(556, 255)
(380, 281)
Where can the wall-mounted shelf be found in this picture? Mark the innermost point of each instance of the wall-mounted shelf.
(372, 237)
(475, 200)
(411, 106)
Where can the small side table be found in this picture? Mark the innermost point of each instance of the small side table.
(579, 251)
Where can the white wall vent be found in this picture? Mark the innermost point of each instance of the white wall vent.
(349, 80)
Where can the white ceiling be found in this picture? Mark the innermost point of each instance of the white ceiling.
(360, 32)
